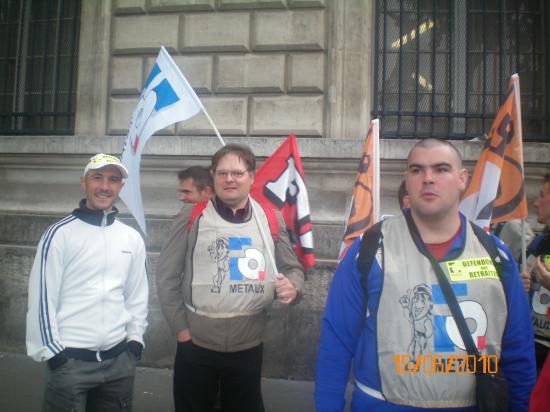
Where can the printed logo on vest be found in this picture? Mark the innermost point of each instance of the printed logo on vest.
(251, 266)
(247, 265)
(446, 333)
(417, 306)
(541, 303)
(219, 251)
(471, 269)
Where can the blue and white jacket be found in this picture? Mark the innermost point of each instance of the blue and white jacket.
(347, 338)
(88, 286)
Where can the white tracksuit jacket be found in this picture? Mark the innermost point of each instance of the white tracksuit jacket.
(88, 286)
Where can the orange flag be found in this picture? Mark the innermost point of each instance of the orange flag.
(366, 193)
(496, 192)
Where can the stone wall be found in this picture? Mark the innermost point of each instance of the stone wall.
(39, 185)
(261, 68)
(251, 67)
(292, 332)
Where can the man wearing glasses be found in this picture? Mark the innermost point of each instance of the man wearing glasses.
(216, 284)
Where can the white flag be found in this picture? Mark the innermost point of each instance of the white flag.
(166, 98)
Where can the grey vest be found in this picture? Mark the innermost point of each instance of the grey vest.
(415, 327)
(540, 307)
(232, 275)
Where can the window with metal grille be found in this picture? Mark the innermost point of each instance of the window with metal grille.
(38, 66)
(442, 66)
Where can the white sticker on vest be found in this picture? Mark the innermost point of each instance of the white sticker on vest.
(471, 269)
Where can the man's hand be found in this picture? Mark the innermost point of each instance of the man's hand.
(542, 272)
(526, 281)
(183, 335)
(285, 289)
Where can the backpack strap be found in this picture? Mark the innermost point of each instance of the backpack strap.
(537, 245)
(367, 252)
(490, 246)
(196, 212)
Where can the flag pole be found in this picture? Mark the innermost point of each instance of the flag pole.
(183, 79)
(213, 125)
(519, 130)
(523, 247)
(376, 169)
(253, 208)
(222, 142)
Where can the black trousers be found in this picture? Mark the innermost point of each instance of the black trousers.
(199, 372)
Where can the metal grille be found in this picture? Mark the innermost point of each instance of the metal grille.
(38, 66)
(442, 66)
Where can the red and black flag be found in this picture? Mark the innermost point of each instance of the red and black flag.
(280, 182)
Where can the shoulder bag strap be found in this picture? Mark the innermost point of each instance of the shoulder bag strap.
(450, 296)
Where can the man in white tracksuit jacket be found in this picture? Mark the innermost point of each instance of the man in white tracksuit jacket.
(88, 294)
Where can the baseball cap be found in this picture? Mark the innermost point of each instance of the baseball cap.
(101, 160)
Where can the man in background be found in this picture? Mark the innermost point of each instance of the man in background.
(536, 281)
(195, 184)
(510, 234)
(403, 196)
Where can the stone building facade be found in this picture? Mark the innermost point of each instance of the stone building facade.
(263, 69)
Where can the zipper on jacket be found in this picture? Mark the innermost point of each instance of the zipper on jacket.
(105, 251)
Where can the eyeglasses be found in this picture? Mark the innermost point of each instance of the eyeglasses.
(235, 174)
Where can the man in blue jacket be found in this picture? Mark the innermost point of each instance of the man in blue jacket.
(390, 320)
